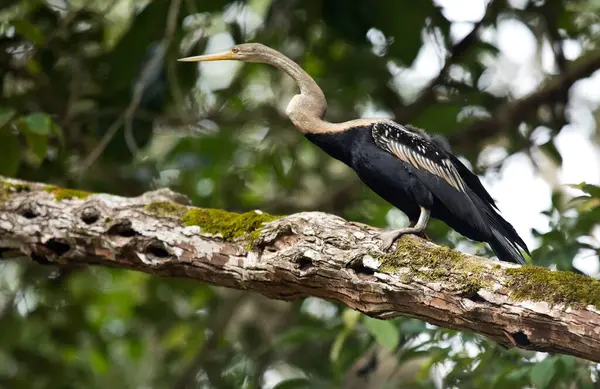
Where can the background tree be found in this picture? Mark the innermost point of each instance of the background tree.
(93, 98)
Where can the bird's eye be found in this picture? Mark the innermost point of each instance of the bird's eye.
(235, 50)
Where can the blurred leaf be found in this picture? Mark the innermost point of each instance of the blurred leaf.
(6, 115)
(28, 30)
(38, 145)
(351, 317)
(549, 148)
(406, 35)
(338, 343)
(517, 374)
(384, 331)
(38, 123)
(58, 132)
(568, 361)
(10, 152)
(542, 373)
(440, 117)
(590, 189)
(98, 361)
(412, 326)
(177, 335)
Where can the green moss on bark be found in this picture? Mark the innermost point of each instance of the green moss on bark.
(167, 208)
(229, 225)
(441, 264)
(559, 287)
(6, 188)
(66, 194)
(436, 264)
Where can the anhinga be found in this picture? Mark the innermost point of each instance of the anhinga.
(413, 171)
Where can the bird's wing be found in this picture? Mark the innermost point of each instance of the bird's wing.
(414, 149)
(433, 167)
(473, 182)
(468, 177)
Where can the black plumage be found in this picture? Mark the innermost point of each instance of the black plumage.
(410, 170)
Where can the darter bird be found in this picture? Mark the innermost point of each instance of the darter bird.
(413, 171)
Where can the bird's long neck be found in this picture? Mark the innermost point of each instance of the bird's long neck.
(308, 87)
(307, 110)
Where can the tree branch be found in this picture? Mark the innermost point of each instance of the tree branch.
(305, 254)
(428, 95)
(508, 116)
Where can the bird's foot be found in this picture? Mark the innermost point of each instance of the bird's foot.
(389, 237)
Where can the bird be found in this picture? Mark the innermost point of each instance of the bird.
(412, 170)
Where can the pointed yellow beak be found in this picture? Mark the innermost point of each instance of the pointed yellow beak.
(226, 55)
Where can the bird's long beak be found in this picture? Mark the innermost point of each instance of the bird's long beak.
(225, 55)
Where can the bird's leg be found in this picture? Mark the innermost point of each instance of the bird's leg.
(389, 237)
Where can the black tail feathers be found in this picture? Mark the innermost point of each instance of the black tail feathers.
(506, 249)
(504, 240)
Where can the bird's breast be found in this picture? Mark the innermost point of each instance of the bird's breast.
(340, 145)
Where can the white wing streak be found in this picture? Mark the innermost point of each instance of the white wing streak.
(417, 151)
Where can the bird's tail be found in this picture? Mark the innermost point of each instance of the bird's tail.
(505, 249)
(504, 240)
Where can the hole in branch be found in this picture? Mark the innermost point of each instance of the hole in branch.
(158, 250)
(58, 246)
(359, 267)
(305, 263)
(122, 228)
(471, 294)
(521, 339)
(28, 211)
(90, 215)
(362, 264)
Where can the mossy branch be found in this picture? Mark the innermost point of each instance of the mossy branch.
(300, 255)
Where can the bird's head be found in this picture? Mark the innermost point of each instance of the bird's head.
(247, 52)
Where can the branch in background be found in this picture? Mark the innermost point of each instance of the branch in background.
(147, 74)
(549, 13)
(427, 96)
(305, 254)
(508, 116)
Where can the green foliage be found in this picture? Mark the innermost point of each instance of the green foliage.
(10, 151)
(542, 373)
(92, 97)
(385, 332)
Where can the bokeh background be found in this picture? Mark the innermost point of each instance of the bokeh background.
(92, 97)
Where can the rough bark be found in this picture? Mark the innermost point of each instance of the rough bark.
(305, 254)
